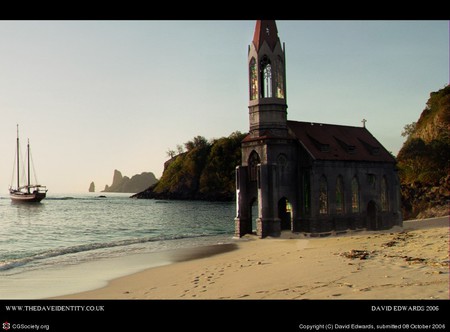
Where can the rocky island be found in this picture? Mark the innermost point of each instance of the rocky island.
(124, 184)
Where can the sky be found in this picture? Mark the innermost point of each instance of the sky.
(95, 96)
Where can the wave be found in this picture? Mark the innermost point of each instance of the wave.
(14, 263)
(68, 198)
(83, 197)
(60, 198)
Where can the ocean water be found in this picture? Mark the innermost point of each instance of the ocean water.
(77, 228)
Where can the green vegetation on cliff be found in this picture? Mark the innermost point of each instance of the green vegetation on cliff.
(423, 160)
(205, 170)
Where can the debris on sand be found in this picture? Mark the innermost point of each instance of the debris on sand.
(400, 237)
(354, 253)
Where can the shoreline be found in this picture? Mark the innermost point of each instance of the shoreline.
(58, 281)
(400, 263)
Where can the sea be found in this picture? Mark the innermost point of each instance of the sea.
(72, 229)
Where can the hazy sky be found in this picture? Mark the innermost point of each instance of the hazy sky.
(94, 96)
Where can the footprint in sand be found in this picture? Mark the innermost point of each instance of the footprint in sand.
(345, 284)
(367, 289)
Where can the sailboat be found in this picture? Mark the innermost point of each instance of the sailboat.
(29, 193)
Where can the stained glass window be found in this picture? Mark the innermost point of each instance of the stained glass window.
(253, 80)
(266, 69)
(280, 78)
(323, 196)
(355, 195)
(384, 195)
(339, 195)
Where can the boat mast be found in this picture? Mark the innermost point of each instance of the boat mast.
(18, 179)
(28, 157)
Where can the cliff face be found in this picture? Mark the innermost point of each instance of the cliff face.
(434, 122)
(204, 172)
(137, 183)
(424, 158)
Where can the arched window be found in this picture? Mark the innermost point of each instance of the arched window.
(285, 213)
(306, 191)
(282, 160)
(355, 195)
(280, 78)
(253, 71)
(253, 162)
(323, 195)
(339, 195)
(266, 70)
(384, 195)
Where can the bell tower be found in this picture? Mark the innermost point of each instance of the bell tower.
(267, 151)
(267, 82)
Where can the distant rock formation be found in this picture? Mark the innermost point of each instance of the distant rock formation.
(137, 183)
(92, 187)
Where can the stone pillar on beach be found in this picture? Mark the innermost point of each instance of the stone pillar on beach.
(268, 222)
(243, 222)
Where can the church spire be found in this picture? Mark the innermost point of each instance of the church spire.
(265, 30)
(267, 82)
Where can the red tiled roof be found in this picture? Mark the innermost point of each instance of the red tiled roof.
(265, 30)
(336, 142)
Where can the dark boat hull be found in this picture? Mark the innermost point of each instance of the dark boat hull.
(27, 198)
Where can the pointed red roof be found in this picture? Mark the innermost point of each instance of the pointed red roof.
(265, 30)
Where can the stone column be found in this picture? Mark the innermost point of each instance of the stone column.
(268, 223)
(242, 222)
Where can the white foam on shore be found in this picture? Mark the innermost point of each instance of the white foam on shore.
(63, 280)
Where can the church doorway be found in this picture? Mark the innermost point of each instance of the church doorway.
(254, 213)
(285, 214)
(372, 216)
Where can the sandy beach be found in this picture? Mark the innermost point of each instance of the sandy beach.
(402, 263)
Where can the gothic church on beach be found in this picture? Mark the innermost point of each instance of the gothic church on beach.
(306, 177)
